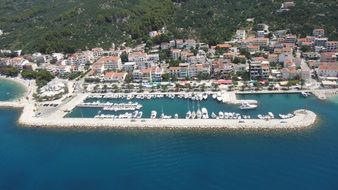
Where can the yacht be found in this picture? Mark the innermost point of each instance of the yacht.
(305, 94)
(153, 114)
(205, 114)
(193, 115)
(205, 96)
(139, 115)
(221, 115)
(176, 116)
(247, 106)
(213, 115)
(188, 115)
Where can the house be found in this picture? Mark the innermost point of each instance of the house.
(289, 73)
(320, 42)
(185, 55)
(292, 39)
(332, 46)
(328, 70)
(196, 59)
(57, 56)
(288, 4)
(80, 58)
(328, 57)
(111, 63)
(184, 70)
(152, 74)
(259, 68)
(196, 69)
(97, 52)
(165, 45)
(174, 72)
(179, 43)
(190, 44)
(129, 66)
(176, 53)
(224, 46)
(17, 62)
(305, 72)
(240, 34)
(318, 32)
(114, 76)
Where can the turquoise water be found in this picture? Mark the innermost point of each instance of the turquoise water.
(37, 158)
(10, 90)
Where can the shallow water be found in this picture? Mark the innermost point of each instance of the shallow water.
(37, 158)
(10, 90)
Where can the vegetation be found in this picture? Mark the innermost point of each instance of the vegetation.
(62, 25)
(42, 77)
(9, 71)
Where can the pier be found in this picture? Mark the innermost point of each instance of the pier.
(302, 119)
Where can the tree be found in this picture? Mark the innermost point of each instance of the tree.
(166, 77)
(124, 57)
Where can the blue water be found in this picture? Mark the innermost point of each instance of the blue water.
(36, 158)
(267, 103)
(10, 90)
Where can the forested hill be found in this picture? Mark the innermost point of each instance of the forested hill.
(63, 25)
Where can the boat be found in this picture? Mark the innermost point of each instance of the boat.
(205, 96)
(139, 115)
(176, 116)
(221, 115)
(271, 115)
(193, 115)
(247, 106)
(214, 96)
(198, 113)
(135, 113)
(213, 115)
(205, 114)
(305, 94)
(188, 115)
(153, 114)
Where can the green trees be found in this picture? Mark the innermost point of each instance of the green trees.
(42, 77)
(9, 71)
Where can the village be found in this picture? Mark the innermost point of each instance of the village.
(251, 61)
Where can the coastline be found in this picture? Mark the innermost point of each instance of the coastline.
(29, 117)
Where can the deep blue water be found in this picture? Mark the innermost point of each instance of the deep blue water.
(35, 158)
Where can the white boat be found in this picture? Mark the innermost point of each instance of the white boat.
(213, 115)
(198, 114)
(176, 116)
(214, 96)
(188, 115)
(247, 106)
(153, 114)
(205, 96)
(271, 115)
(135, 113)
(193, 115)
(305, 94)
(221, 115)
(205, 114)
(139, 115)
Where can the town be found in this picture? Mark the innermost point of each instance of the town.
(252, 61)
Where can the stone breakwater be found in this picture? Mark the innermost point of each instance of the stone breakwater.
(302, 119)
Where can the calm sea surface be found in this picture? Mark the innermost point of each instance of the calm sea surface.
(34, 158)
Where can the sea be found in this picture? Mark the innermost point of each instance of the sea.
(54, 159)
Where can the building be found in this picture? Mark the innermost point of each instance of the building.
(328, 70)
(259, 69)
(114, 76)
(240, 34)
(129, 66)
(80, 58)
(320, 42)
(328, 57)
(97, 52)
(109, 63)
(318, 32)
(190, 44)
(332, 46)
(176, 54)
(292, 39)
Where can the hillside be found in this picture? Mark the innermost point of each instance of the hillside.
(64, 25)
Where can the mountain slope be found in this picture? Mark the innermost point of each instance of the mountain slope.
(64, 25)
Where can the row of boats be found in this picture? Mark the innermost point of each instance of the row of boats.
(112, 106)
(192, 96)
(135, 115)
